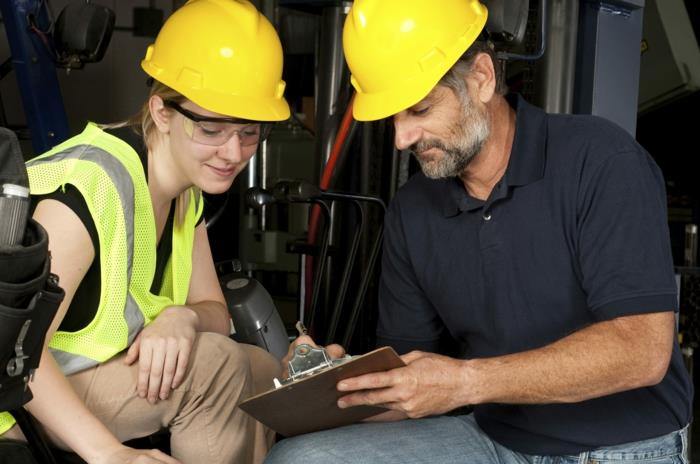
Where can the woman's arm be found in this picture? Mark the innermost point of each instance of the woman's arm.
(163, 348)
(205, 296)
(55, 403)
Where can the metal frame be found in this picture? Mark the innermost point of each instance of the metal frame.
(36, 73)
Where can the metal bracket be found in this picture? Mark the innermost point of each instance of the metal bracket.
(15, 366)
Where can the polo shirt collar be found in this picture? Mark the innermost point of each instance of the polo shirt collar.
(526, 163)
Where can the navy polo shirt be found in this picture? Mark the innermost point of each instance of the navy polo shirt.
(574, 233)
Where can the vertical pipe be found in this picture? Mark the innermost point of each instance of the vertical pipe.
(329, 82)
(690, 257)
(329, 75)
(263, 161)
(558, 65)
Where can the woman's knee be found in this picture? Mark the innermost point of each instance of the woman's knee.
(212, 353)
(264, 367)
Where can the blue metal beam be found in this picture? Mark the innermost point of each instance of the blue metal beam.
(36, 73)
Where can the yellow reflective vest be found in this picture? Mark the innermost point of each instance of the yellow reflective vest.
(109, 175)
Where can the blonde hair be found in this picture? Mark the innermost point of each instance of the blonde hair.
(142, 123)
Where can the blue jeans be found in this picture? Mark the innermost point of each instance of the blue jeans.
(453, 439)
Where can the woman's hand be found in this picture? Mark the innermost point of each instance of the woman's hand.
(125, 455)
(163, 351)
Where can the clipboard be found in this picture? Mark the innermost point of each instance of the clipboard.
(310, 404)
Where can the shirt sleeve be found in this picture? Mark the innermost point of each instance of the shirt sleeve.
(407, 320)
(623, 242)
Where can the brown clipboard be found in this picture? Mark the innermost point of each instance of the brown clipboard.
(310, 404)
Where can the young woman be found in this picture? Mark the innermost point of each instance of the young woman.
(140, 342)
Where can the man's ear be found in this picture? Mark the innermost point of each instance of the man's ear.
(159, 113)
(483, 76)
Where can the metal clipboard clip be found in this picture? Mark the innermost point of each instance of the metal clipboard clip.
(307, 361)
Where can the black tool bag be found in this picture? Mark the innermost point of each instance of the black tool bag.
(29, 293)
(29, 298)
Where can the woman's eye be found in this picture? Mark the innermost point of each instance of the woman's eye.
(209, 131)
(251, 131)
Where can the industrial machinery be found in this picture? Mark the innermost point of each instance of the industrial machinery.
(566, 56)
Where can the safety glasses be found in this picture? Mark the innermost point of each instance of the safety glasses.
(217, 131)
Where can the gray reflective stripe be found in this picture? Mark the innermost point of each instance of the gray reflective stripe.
(71, 363)
(133, 315)
(123, 182)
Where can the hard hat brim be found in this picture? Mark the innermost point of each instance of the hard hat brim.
(235, 106)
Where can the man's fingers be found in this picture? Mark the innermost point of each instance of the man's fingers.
(408, 358)
(368, 381)
(384, 397)
(335, 351)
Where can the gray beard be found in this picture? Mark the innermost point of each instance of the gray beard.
(470, 134)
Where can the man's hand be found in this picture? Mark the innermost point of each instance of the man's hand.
(429, 384)
(163, 351)
(334, 351)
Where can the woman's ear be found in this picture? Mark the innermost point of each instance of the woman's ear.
(159, 113)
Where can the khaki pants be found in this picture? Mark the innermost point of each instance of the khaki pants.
(202, 414)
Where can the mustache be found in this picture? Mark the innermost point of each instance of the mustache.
(425, 145)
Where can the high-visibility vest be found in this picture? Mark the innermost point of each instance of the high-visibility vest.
(110, 176)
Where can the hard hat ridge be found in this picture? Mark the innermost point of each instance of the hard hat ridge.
(398, 50)
(224, 56)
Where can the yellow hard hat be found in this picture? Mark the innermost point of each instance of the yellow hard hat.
(398, 50)
(224, 56)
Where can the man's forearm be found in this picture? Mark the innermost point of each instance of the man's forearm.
(602, 359)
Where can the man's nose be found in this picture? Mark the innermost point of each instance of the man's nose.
(406, 133)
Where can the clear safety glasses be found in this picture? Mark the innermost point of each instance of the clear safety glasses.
(217, 131)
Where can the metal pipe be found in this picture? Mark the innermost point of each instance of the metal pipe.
(558, 67)
(362, 290)
(329, 79)
(320, 262)
(263, 160)
(347, 271)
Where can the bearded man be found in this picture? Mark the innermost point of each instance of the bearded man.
(538, 242)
